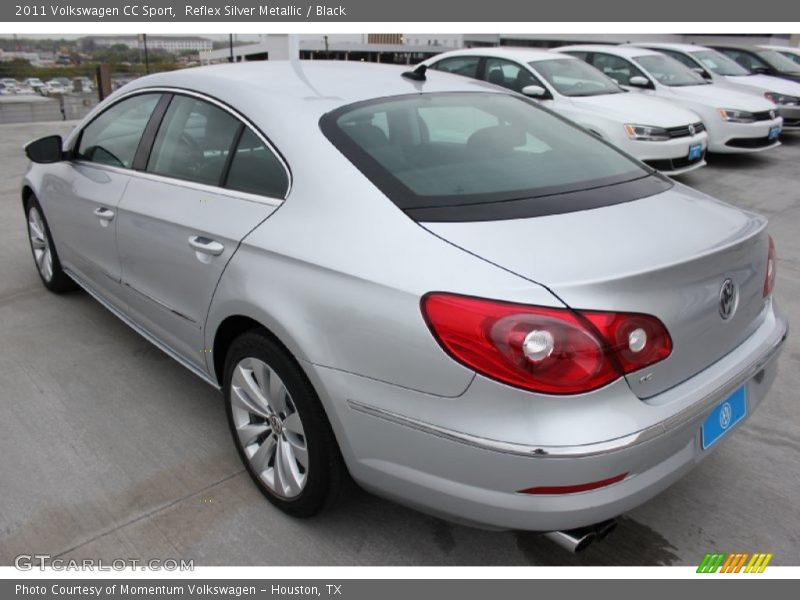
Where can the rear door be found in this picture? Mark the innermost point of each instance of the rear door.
(209, 180)
(80, 200)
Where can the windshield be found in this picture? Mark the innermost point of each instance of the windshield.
(720, 64)
(791, 56)
(461, 149)
(668, 71)
(778, 61)
(572, 77)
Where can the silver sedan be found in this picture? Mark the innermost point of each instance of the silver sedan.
(431, 285)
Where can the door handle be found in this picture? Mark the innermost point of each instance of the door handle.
(106, 215)
(204, 245)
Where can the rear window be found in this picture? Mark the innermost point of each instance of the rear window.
(442, 154)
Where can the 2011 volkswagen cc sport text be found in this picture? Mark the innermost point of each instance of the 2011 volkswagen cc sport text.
(432, 285)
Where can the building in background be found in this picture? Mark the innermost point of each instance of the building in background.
(174, 44)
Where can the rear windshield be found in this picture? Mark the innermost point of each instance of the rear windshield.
(430, 151)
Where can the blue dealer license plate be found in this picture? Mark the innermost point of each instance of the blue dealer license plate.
(695, 151)
(724, 417)
(774, 132)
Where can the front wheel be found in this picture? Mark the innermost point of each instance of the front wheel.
(44, 253)
(280, 428)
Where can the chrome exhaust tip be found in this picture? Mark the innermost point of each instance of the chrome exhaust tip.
(577, 540)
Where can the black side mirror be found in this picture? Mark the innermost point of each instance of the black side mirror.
(46, 150)
(760, 70)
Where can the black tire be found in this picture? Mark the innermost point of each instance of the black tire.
(326, 474)
(59, 282)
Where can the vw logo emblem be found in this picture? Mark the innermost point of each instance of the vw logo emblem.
(727, 299)
(771, 114)
(725, 415)
(691, 130)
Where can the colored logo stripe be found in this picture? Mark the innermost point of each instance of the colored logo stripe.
(734, 562)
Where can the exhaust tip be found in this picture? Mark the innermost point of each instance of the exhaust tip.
(577, 540)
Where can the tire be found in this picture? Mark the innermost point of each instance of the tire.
(43, 250)
(284, 440)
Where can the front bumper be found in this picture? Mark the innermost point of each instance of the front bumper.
(730, 138)
(449, 457)
(791, 117)
(671, 157)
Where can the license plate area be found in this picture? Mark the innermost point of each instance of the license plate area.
(695, 151)
(724, 417)
(774, 132)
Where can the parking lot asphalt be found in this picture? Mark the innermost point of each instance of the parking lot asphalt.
(109, 449)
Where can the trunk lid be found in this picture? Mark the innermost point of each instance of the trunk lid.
(667, 255)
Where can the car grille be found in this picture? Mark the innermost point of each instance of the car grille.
(683, 131)
(674, 164)
(761, 142)
(764, 115)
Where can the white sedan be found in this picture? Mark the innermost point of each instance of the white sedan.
(736, 122)
(721, 69)
(666, 137)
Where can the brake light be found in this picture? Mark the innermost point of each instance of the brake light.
(769, 280)
(543, 349)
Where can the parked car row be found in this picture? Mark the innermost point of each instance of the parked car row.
(665, 104)
(34, 85)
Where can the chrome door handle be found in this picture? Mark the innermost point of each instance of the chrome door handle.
(104, 214)
(205, 245)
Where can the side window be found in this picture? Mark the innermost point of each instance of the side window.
(113, 137)
(508, 74)
(681, 58)
(193, 141)
(619, 69)
(459, 65)
(255, 168)
(748, 61)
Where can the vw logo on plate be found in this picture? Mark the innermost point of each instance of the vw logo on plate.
(725, 415)
(727, 299)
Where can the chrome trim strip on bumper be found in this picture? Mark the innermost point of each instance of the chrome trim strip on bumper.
(613, 445)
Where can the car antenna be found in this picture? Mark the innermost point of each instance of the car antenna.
(418, 74)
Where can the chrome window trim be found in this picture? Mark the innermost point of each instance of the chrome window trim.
(272, 200)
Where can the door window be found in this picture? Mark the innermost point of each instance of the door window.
(619, 69)
(509, 74)
(113, 137)
(255, 168)
(194, 141)
(459, 65)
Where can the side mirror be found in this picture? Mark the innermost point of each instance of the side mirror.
(639, 82)
(760, 70)
(702, 72)
(534, 91)
(45, 150)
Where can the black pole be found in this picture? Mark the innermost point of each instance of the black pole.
(230, 45)
(146, 57)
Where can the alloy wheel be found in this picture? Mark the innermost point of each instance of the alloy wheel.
(42, 252)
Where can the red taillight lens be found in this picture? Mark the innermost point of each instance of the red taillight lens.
(542, 349)
(769, 281)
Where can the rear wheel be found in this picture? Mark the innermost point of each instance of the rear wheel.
(280, 428)
(44, 253)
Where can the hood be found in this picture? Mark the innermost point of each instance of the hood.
(715, 96)
(635, 108)
(768, 83)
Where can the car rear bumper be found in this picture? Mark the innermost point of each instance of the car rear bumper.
(400, 443)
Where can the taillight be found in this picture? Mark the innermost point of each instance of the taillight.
(769, 280)
(543, 349)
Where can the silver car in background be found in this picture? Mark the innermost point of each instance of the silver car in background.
(460, 299)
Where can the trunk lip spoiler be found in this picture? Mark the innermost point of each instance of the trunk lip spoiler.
(696, 409)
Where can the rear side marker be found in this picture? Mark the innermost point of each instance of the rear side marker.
(573, 489)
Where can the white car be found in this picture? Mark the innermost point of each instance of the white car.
(736, 122)
(790, 52)
(666, 137)
(54, 87)
(723, 70)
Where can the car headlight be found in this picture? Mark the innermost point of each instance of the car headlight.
(737, 116)
(646, 132)
(782, 99)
